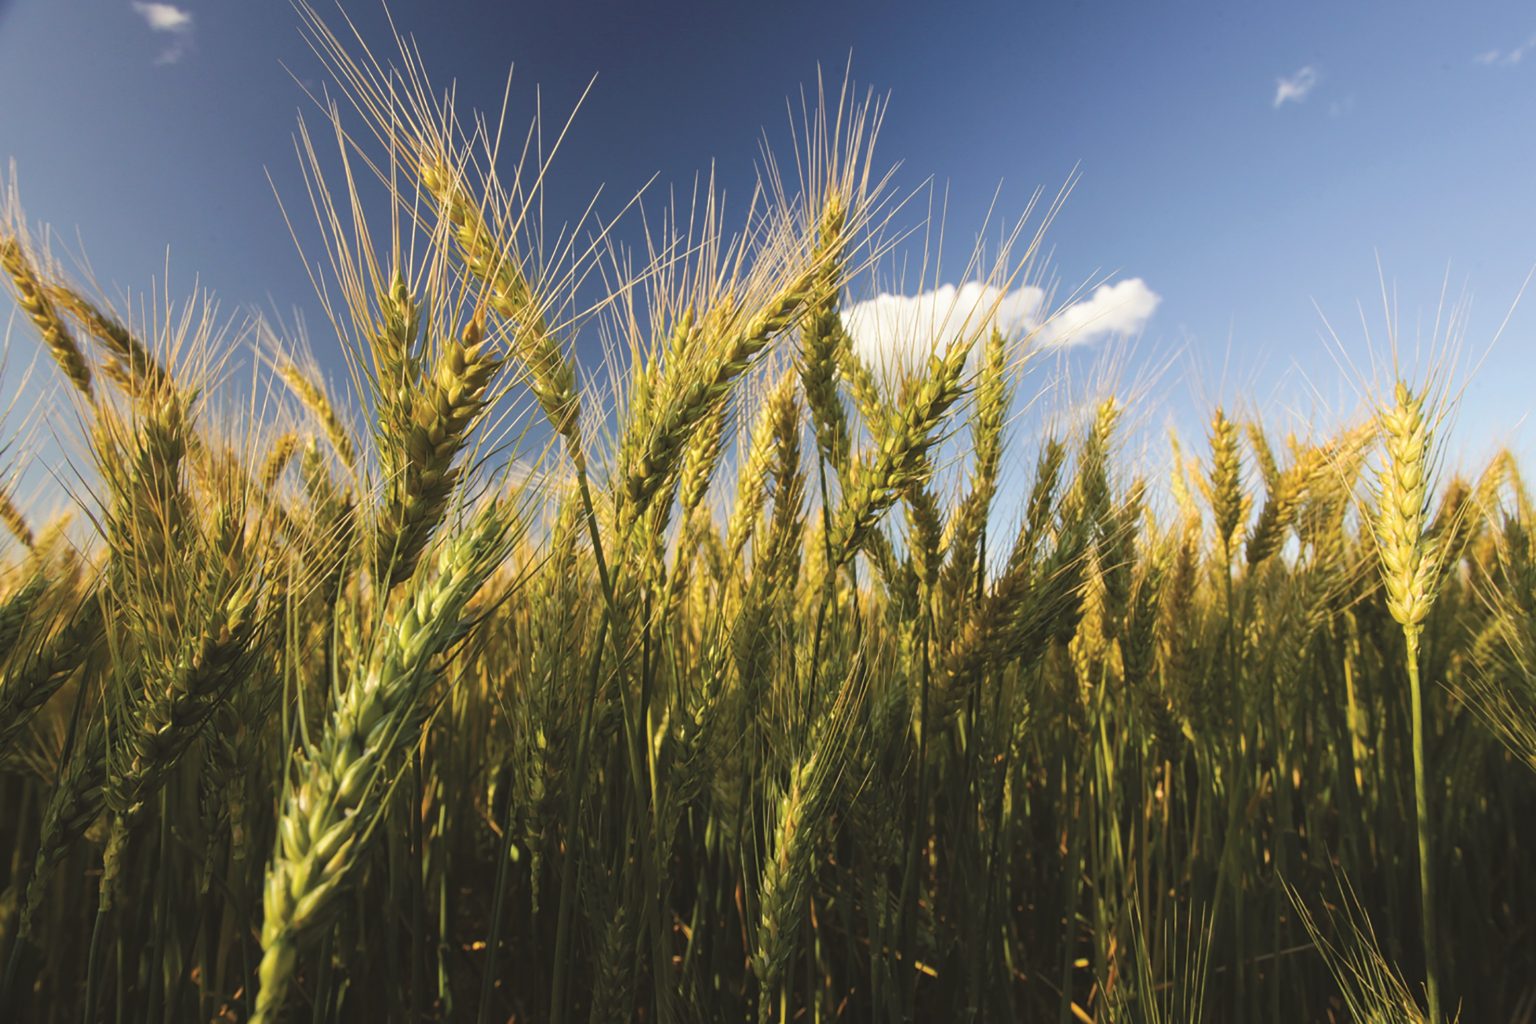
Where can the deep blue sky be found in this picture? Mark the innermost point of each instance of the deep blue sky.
(1415, 142)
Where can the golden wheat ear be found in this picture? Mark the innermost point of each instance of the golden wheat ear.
(14, 521)
(33, 297)
(1225, 481)
(131, 364)
(311, 394)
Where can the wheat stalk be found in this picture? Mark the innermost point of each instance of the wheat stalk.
(1409, 567)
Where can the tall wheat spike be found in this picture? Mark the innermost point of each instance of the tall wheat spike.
(1410, 571)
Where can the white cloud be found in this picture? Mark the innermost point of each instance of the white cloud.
(170, 20)
(1295, 88)
(892, 333)
(1120, 308)
(165, 17)
(1506, 58)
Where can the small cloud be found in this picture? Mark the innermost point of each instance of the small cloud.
(1120, 308)
(165, 17)
(1506, 58)
(1295, 88)
(895, 333)
(171, 20)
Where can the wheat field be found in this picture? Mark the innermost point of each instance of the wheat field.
(734, 678)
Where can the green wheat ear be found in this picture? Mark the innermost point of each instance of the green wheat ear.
(335, 794)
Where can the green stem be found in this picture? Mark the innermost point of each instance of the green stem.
(1421, 806)
(572, 850)
(504, 857)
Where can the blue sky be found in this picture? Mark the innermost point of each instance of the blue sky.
(1249, 163)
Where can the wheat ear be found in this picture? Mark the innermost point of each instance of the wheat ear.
(421, 464)
(32, 296)
(821, 337)
(132, 362)
(753, 475)
(331, 802)
(694, 391)
(30, 681)
(313, 398)
(492, 260)
(14, 521)
(803, 808)
(900, 461)
(1225, 483)
(1286, 493)
(17, 606)
(965, 528)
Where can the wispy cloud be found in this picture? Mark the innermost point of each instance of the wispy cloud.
(1506, 58)
(894, 333)
(1295, 88)
(172, 21)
